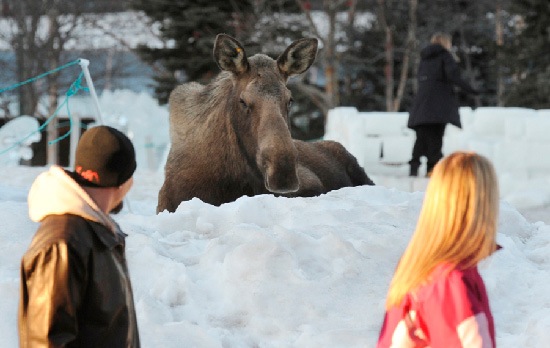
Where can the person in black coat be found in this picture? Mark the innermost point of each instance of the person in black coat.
(75, 285)
(436, 103)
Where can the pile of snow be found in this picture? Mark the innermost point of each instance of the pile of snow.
(16, 137)
(281, 272)
(277, 272)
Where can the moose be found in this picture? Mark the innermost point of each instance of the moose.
(231, 137)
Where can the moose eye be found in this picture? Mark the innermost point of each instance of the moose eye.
(243, 103)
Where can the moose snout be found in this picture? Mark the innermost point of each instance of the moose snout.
(282, 183)
(280, 175)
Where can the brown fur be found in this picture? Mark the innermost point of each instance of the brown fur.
(325, 166)
(231, 138)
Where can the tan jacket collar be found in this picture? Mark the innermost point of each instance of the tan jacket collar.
(55, 193)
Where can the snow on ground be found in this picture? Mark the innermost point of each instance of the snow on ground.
(281, 272)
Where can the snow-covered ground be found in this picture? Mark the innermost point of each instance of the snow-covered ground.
(279, 272)
(514, 139)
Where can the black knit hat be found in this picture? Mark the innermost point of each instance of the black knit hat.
(105, 157)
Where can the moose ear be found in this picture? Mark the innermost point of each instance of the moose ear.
(230, 55)
(297, 57)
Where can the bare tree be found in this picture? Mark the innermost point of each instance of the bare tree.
(409, 49)
(499, 31)
(38, 34)
(331, 9)
(393, 97)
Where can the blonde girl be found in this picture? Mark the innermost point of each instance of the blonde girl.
(437, 297)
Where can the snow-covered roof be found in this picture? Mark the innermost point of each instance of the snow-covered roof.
(128, 30)
(123, 30)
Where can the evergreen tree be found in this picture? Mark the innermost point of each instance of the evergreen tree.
(189, 28)
(262, 26)
(529, 74)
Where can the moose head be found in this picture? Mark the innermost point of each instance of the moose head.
(260, 105)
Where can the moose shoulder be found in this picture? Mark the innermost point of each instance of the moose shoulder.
(231, 138)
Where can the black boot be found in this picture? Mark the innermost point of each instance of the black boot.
(414, 170)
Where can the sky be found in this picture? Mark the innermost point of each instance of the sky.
(269, 271)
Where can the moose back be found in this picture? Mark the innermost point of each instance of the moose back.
(231, 138)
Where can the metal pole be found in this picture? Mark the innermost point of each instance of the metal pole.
(75, 136)
(84, 65)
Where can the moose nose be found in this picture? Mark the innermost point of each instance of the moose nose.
(281, 176)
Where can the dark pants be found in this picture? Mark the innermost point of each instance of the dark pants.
(429, 142)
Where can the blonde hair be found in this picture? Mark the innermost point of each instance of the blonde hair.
(442, 39)
(457, 223)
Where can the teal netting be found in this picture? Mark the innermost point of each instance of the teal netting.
(73, 89)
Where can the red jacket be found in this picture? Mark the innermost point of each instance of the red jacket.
(452, 310)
